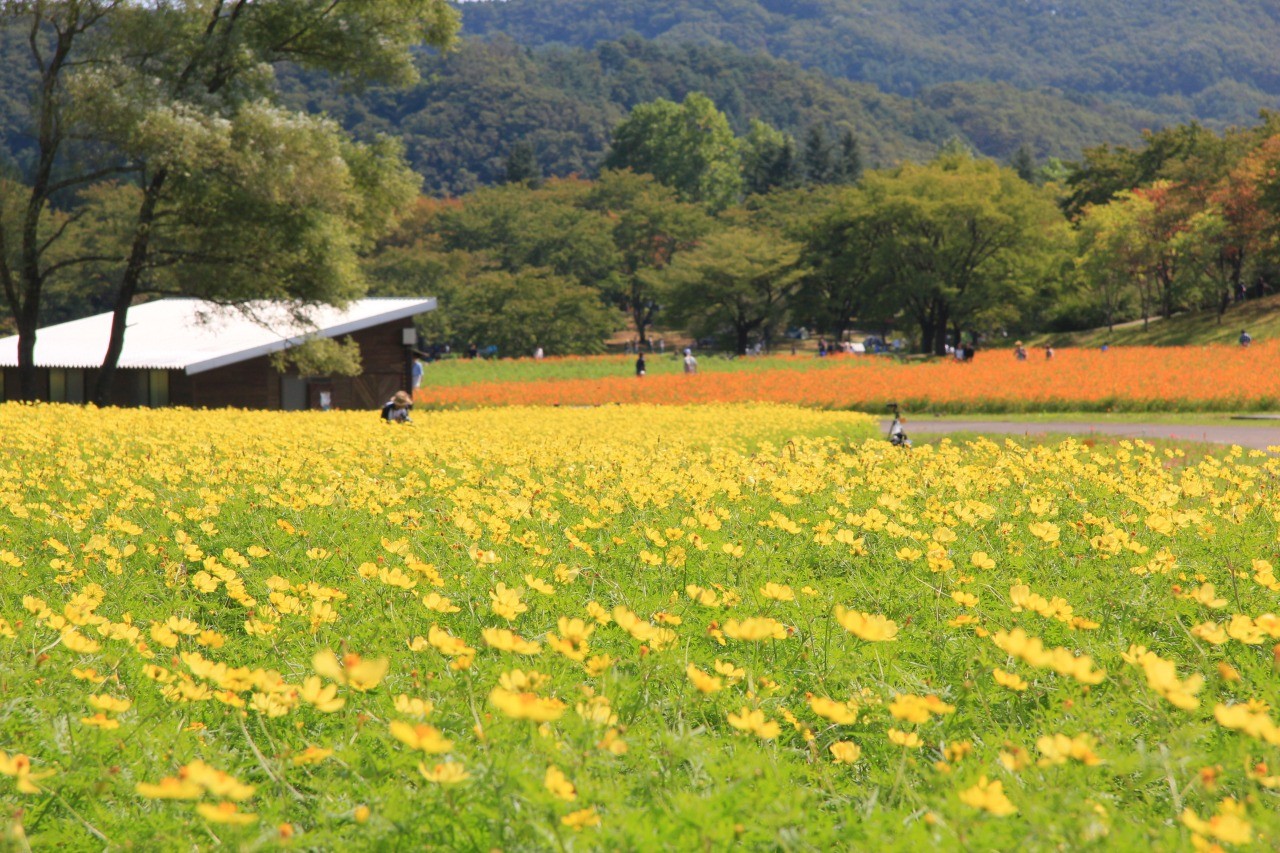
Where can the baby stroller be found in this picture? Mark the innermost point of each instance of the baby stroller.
(897, 435)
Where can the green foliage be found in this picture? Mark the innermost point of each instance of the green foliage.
(688, 147)
(955, 244)
(317, 356)
(519, 311)
(1179, 59)
(734, 285)
(222, 193)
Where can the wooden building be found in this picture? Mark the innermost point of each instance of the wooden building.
(185, 352)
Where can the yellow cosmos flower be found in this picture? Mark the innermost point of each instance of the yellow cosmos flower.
(581, 819)
(988, 796)
(448, 773)
(216, 782)
(597, 710)
(964, 599)
(413, 705)
(867, 626)
(88, 674)
(917, 709)
(909, 740)
(225, 813)
(755, 722)
(755, 629)
(324, 698)
(505, 602)
(526, 706)
(777, 592)
(19, 767)
(1228, 825)
(1058, 748)
(559, 785)
(843, 713)
(1045, 531)
(506, 641)
(101, 721)
(170, 788)
(310, 755)
(845, 752)
(702, 681)
(1009, 680)
(599, 664)
(981, 560)
(110, 704)
(729, 671)
(421, 736)
(354, 671)
(437, 602)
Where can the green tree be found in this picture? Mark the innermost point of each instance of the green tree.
(689, 147)
(221, 193)
(768, 159)
(522, 164)
(954, 243)
(736, 282)
(850, 163)
(517, 312)
(550, 227)
(1023, 162)
(817, 159)
(649, 227)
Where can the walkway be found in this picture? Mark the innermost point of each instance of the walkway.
(1259, 437)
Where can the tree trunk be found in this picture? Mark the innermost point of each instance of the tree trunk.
(926, 335)
(28, 375)
(129, 284)
(940, 338)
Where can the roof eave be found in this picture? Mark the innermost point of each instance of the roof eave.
(422, 307)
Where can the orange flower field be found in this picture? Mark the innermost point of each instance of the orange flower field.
(1208, 378)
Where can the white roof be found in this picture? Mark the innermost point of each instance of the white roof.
(195, 336)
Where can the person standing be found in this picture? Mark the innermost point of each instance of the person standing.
(690, 363)
(640, 367)
(537, 354)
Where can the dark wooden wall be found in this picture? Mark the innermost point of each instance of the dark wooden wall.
(255, 384)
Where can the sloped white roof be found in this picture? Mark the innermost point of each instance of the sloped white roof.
(195, 336)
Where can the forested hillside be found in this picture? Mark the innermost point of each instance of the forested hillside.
(1183, 58)
(472, 107)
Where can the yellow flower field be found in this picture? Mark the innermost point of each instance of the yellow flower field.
(627, 628)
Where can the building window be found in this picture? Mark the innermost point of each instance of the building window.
(57, 385)
(157, 388)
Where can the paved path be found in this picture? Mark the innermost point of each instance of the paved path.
(1259, 437)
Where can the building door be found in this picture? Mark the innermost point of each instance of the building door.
(293, 393)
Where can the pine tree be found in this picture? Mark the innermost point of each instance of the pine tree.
(816, 162)
(522, 165)
(850, 163)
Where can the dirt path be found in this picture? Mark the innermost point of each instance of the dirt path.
(1259, 437)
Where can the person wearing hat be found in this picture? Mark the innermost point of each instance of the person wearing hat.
(397, 408)
(1019, 351)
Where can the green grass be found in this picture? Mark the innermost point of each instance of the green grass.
(1191, 328)
(456, 371)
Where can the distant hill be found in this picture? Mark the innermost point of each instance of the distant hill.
(1215, 61)
(474, 105)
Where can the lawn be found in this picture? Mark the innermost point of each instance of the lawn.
(627, 628)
